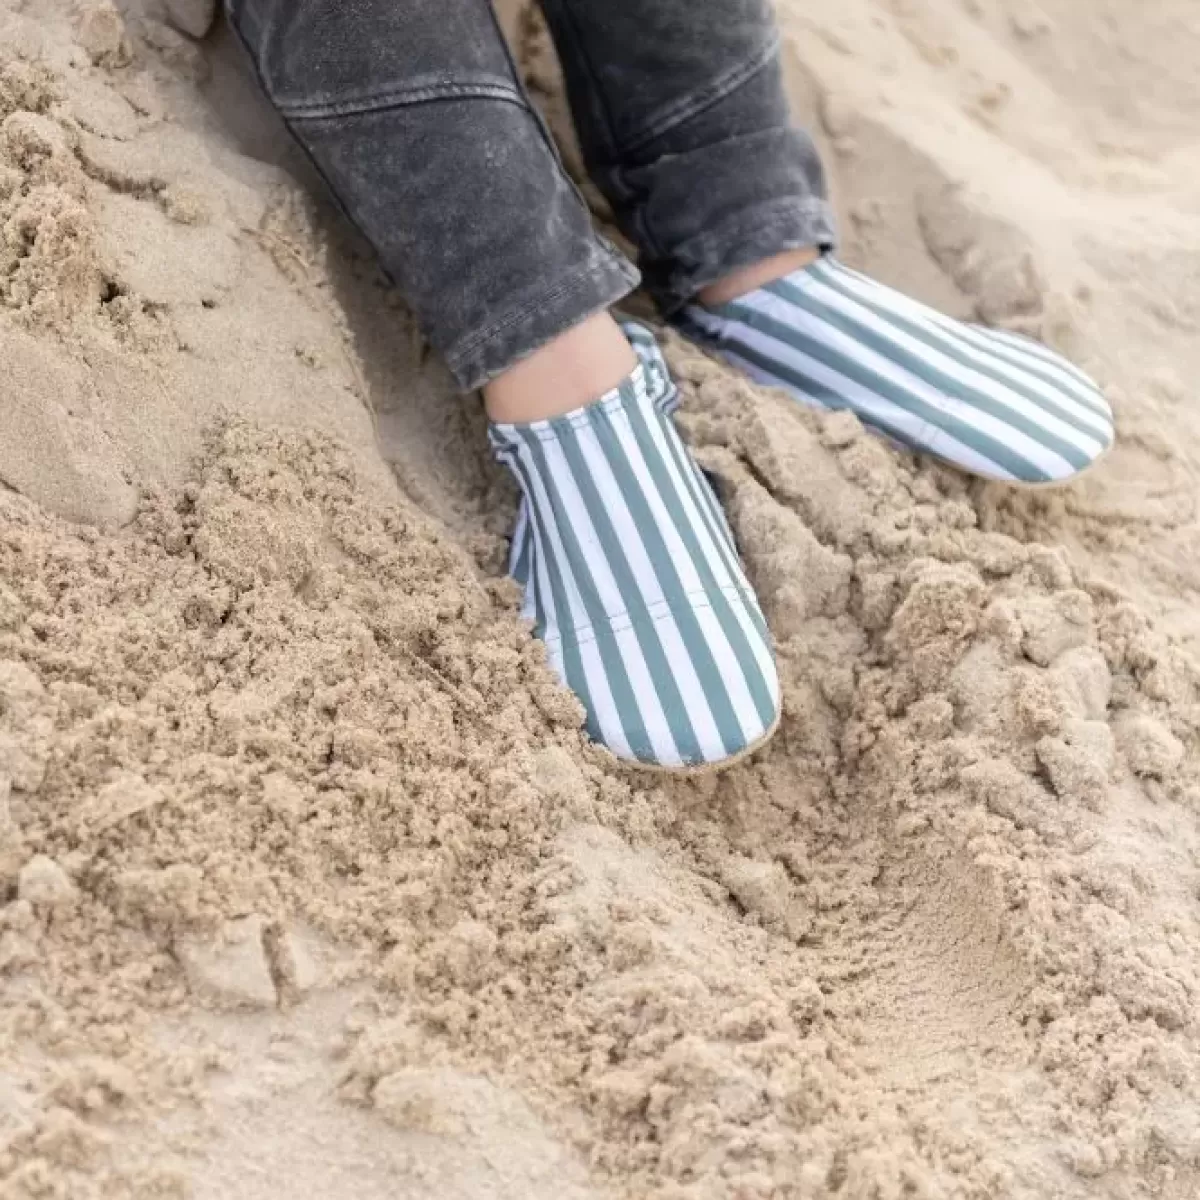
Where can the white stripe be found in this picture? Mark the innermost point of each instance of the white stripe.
(763, 653)
(1083, 389)
(688, 681)
(705, 513)
(744, 707)
(653, 717)
(695, 699)
(955, 332)
(1028, 448)
(857, 397)
(660, 431)
(1081, 386)
(1043, 353)
(604, 707)
(1016, 358)
(942, 445)
(550, 554)
(1006, 398)
(658, 729)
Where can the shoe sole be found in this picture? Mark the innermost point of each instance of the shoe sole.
(705, 768)
(1020, 484)
(919, 452)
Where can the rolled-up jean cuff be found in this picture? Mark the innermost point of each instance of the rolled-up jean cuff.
(755, 233)
(531, 323)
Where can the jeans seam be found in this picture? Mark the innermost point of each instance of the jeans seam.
(691, 106)
(312, 110)
(468, 346)
(725, 85)
(538, 120)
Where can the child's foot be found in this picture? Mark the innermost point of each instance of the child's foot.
(988, 402)
(633, 580)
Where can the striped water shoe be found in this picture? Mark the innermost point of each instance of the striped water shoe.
(633, 581)
(988, 402)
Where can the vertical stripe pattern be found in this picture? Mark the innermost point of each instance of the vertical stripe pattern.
(632, 579)
(983, 400)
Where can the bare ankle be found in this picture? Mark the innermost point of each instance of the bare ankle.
(577, 367)
(746, 279)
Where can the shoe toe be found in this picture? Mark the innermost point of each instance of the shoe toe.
(719, 701)
(633, 581)
(1060, 402)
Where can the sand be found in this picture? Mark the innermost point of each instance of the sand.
(309, 883)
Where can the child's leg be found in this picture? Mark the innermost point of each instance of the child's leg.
(684, 124)
(412, 112)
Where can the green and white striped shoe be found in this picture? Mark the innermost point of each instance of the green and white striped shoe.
(986, 401)
(633, 581)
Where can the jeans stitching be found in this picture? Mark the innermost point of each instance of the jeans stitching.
(539, 120)
(691, 106)
(803, 210)
(309, 110)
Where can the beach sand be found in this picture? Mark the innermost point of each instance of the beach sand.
(310, 883)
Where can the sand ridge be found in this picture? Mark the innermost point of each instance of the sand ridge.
(310, 881)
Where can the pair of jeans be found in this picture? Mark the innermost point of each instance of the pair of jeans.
(414, 114)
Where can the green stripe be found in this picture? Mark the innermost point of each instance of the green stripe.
(1013, 462)
(715, 524)
(573, 669)
(638, 335)
(629, 713)
(644, 628)
(1030, 357)
(726, 617)
(520, 571)
(962, 352)
(703, 496)
(1037, 359)
(923, 369)
(1023, 343)
(733, 736)
(712, 516)
(1088, 393)
(1027, 355)
(819, 394)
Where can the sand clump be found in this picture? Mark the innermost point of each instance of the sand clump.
(309, 878)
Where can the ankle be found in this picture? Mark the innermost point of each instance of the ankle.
(747, 279)
(574, 369)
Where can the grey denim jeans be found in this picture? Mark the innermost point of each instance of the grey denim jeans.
(414, 114)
